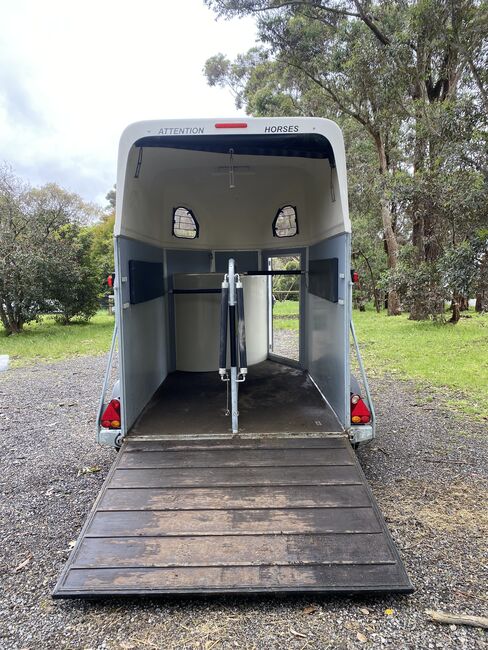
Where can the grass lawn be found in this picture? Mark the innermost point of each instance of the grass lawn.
(452, 356)
(47, 340)
(285, 315)
(444, 356)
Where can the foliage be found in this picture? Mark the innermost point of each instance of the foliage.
(286, 287)
(103, 250)
(407, 82)
(32, 223)
(71, 278)
(47, 340)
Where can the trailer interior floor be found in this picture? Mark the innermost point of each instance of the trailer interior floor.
(274, 398)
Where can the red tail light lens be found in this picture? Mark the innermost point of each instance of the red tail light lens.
(111, 416)
(360, 413)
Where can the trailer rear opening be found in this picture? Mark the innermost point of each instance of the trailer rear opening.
(236, 471)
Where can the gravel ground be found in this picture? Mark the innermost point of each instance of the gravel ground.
(427, 468)
(286, 343)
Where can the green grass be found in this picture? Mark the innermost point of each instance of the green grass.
(285, 308)
(443, 355)
(47, 340)
(285, 315)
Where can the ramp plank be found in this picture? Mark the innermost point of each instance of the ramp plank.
(269, 442)
(257, 579)
(230, 550)
(232, 497)
(234, 458)
(224, 476)
(194, 517)
(232, 522)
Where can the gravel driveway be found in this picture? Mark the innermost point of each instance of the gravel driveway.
(427, 469)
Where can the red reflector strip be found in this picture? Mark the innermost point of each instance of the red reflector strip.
(231, 125)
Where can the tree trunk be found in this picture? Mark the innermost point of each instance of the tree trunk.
(389, 234)
(418, 308)
(456, 312)
(11, 320)
(376, 293)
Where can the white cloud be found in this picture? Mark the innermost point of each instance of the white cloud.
(74, 74)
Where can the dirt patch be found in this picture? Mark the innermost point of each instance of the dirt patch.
(455, 508)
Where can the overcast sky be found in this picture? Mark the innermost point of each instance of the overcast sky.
(73, 74)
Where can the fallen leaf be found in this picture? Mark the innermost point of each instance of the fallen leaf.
(23, 564)
(89, 470)
(295, 633)
(351, 625)
(364, 611)
(361, 637)
(310, 609)
(389, 611)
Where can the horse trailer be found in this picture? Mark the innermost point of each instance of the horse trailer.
(236, 470)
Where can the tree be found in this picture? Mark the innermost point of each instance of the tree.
(410, 74)
(21, 243)
(31, 223)
(102, 245)
(71, 274)
(111, 197)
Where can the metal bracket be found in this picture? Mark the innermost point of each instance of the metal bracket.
(110, 437)
(362, 433)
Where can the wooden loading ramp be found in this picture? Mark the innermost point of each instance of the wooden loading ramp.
(234, 516)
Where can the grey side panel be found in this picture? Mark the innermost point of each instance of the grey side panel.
(181, 261)
(188, 261)
(328, 330)
(245, 260)
(143, 333)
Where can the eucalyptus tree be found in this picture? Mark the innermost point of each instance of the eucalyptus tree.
(399, 69)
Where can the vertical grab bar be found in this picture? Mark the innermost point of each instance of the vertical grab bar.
(234, 386)
(363, 375)
(107, 377)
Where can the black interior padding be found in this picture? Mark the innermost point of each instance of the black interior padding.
(323, 278)
(146, 281)
(292, 145)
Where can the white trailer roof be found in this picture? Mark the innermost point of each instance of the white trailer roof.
(164, 164)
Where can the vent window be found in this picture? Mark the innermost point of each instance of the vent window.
(185, 226)
(285, 223)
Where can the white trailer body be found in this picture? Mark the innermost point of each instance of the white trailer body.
(297, 162)
(249, 484)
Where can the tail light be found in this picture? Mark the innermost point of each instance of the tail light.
(111, 416)
(360, 413)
